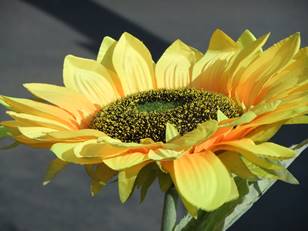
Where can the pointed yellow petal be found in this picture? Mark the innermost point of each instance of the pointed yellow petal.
(164, 154)
(126, 161)
(221, 41)
(246, 147)
(36, 121)
(282, 174)
(90, 79)
(270, 62)
(173, 69)
(246, 38)
(171, 132)
(221, 116)
(40, 109)
(105, 52)
(63, 97)
(83, 133)
(35, 132)
(195, 137)
(126, 181)
(266, 149)
(298, 120)
(133, 64)
(234, 164)
(202, 180)
(209, 73)
(100, 175)
(65, 152)
(264, 133)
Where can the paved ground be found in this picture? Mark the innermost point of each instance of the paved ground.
(36, 35)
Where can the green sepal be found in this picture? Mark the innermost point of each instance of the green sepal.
(53, 170)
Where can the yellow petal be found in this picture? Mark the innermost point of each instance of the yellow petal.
(221, 41)
(40, 109)
(83, 133)
(234, 164)
(126, 161)
(209, 73)
(173, 69)
(171, 132)
(133, 64)
(164, 154)
(266, 149)
(195, 137)
(105, 52)
(100, 175)
(90, 79)
(126, 181)
(246, 38)
(264, 133)
(65, 98)
(282, 174)
(202, 180)
(65, 152)
(298, 120)
(243, 59)
(270, 62)
(221, 116)
(35, 132)
(36, 121)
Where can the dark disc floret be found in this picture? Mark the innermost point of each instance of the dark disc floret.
(145, 114)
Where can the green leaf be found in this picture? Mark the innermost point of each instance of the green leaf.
(3, 132)
(145, 179)
(164, 180)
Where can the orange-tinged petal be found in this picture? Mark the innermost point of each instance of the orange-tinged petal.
(90, 79)
(133, 64)
(69, 100)
(173, 69)
(270, 62)
(209, 73)
(202, 180)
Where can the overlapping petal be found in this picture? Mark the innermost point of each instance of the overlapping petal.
(271, 86)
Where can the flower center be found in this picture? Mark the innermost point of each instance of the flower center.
(145, 114)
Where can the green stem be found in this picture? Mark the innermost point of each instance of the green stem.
(169, 210)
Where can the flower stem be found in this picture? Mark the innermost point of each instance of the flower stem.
(169, 210)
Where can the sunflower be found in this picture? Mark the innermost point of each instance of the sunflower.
(192, 120)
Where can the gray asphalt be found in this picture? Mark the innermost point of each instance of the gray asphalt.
(36, 35)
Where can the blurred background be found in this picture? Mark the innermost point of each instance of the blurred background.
(37, 34)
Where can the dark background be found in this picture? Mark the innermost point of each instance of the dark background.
(36, 35)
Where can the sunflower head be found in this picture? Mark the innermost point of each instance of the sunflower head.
(193, 120)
